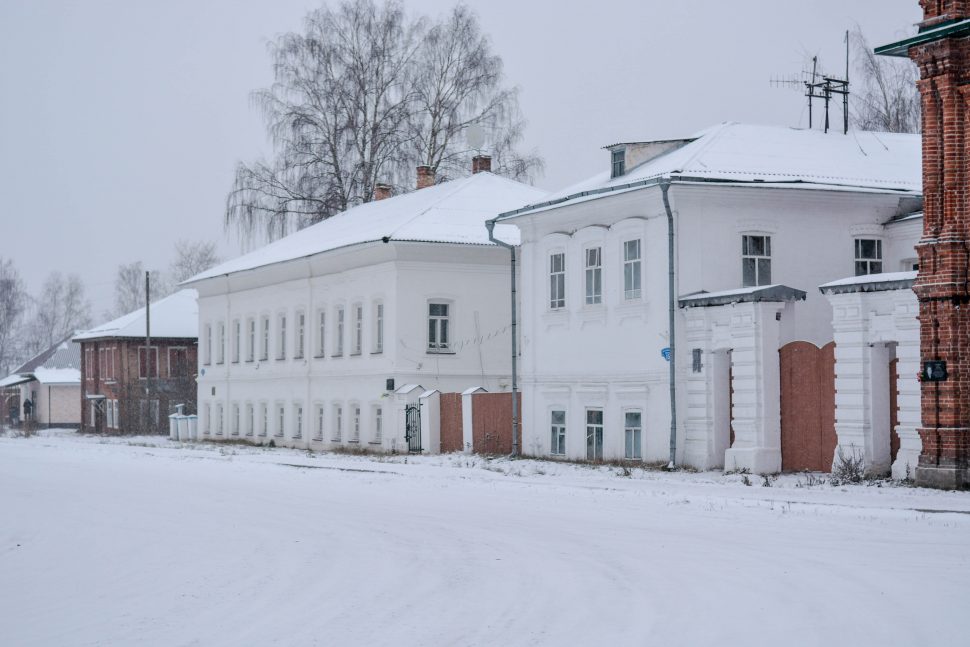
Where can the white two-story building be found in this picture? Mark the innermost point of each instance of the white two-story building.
(714, 246)
(322, 338)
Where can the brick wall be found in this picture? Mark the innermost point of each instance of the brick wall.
(942, 284)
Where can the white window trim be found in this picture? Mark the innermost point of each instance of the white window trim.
(552, 304)
(448, 347)
(592, 299)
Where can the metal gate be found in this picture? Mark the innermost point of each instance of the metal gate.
(412, 427)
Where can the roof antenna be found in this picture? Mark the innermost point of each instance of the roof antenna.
(818, 85)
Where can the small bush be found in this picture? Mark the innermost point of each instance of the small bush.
(848, 468)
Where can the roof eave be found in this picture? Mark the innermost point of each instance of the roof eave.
(952, 29)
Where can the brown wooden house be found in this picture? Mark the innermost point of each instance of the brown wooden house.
(130, 387)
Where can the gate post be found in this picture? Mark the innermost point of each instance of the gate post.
(467, 420)
(431, 421)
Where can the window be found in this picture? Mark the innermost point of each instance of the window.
(631, 269)
(263, 419)
(355, 437)
(109, 414)
(594, 275)
(618, 162)
(236, 340)
(298, 422)
(321, 333)
(280, 420)
(250, 339)
(281, 339)
(438, 327)
(178, 362)
(557, 442)
(378, 424)
(339, 339)
(234, 429)
(219, 419)
(358, 329)
(755, 260)
(264, 342)
(338, 423)
(868, 256)
(221, 348)
(208, 419)
(594, 434)
(208, 344)
(318, 435)
(300, 335)
(144, 370)
(250, 420)
(89, 364)
(557, 281)
(103, 362)
(632, 430)
(379, 328)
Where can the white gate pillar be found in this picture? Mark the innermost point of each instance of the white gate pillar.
(737, 331)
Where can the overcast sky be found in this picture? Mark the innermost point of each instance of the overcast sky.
(121, 121)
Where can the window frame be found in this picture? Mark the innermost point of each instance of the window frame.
(147, 364)
(358, 330)
(865, 262)
(434, 323)
(748, 254)
(557, 280)
(251, 339)
(299, 350)
(221, 348)
(634, 450)
(264, 321)
(340, 316)
(207, 339)
(593, 275)
(281, 336)
(378, 328)
(632, 271)
(236, 353)
(617, 162)
(557, 432)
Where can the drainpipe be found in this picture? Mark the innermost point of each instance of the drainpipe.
(671, 311)
(490, 225)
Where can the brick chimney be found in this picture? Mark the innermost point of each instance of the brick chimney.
(382, 191)
(425, 177)
(481, 163)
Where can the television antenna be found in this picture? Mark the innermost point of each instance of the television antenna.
(818, 85)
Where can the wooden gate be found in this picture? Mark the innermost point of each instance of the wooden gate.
(807, 406)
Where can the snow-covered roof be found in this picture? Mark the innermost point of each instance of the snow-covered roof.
(14, 379)
(732, 152)
(450, 212)
(57, 375)
(870, 283)
(175, 316)
(774, 292)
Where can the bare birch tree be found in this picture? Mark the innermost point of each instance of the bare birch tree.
(130, 288)
(363, 95)
(13, 304)
(191, 258)
(61, 309)
(888, 100)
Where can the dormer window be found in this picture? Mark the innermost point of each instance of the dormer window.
(619, 162)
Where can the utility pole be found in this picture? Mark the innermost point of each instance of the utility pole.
(148, 352)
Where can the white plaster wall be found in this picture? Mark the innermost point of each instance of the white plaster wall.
(609, 355)
(865, 325)
(401, 276)
(53, 403)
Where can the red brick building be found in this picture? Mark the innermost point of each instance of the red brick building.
(941, 49)
(128, 387)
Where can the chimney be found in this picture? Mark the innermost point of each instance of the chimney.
(382, 191)
(481, 163)
(425, 177)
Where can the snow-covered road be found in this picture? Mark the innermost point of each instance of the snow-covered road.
(110, 543)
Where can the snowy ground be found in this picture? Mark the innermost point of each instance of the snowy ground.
(146, 542)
